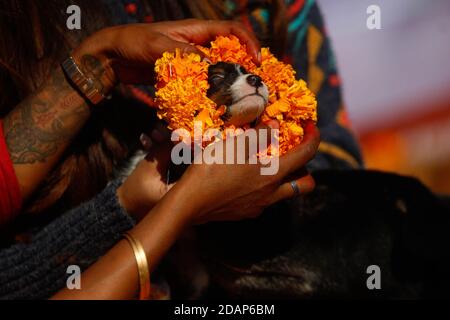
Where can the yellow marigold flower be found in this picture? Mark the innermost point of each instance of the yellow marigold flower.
(182, 85)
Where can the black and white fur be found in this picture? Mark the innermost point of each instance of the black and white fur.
(244, 95)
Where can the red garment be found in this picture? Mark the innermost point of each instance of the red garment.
(10, 197)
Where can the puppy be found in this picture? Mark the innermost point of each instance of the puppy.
(244, 95)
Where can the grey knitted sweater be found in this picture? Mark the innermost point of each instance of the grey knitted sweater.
(38, 269)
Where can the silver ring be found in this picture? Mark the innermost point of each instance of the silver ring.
(295, 187)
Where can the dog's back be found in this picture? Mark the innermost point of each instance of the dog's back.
(321, 246)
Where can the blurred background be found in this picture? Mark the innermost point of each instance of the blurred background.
(397, 83)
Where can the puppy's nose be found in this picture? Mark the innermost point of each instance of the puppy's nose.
(254, 81)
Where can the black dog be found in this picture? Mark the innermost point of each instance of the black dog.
(321, 245)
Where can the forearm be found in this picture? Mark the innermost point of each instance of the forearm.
(115, 275)
(36, 270)
(41, 127)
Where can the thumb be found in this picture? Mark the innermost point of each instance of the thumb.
(189, 48)
(265, 132)
(270, 127)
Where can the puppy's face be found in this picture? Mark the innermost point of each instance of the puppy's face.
(245, 95)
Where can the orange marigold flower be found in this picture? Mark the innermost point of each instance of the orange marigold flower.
(182, 85)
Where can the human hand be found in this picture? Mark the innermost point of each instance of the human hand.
(239, 191)
(147, 184)
(127, 53)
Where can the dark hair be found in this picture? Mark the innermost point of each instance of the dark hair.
(33, 40)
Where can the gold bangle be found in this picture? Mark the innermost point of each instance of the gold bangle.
(142, 264)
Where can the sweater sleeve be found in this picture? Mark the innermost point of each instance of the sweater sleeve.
(38, 270)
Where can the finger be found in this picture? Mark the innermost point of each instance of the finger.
(302, 154)
(249, 39)
(270, 126)
(141, 70)
(201, 32)
(266, 131)
(304, 185)
(248, 144)
(169, 45)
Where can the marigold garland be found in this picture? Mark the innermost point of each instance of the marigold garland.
(182, 84)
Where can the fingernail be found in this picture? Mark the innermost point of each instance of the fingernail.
(146, 141)
(273, 124)
(306, 184)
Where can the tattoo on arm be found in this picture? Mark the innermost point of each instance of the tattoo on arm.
(43, 124)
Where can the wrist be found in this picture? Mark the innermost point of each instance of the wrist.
(95, 65)
(132, 206)
(194, 204)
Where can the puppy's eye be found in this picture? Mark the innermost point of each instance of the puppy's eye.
(217, 79)
(242, 69)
